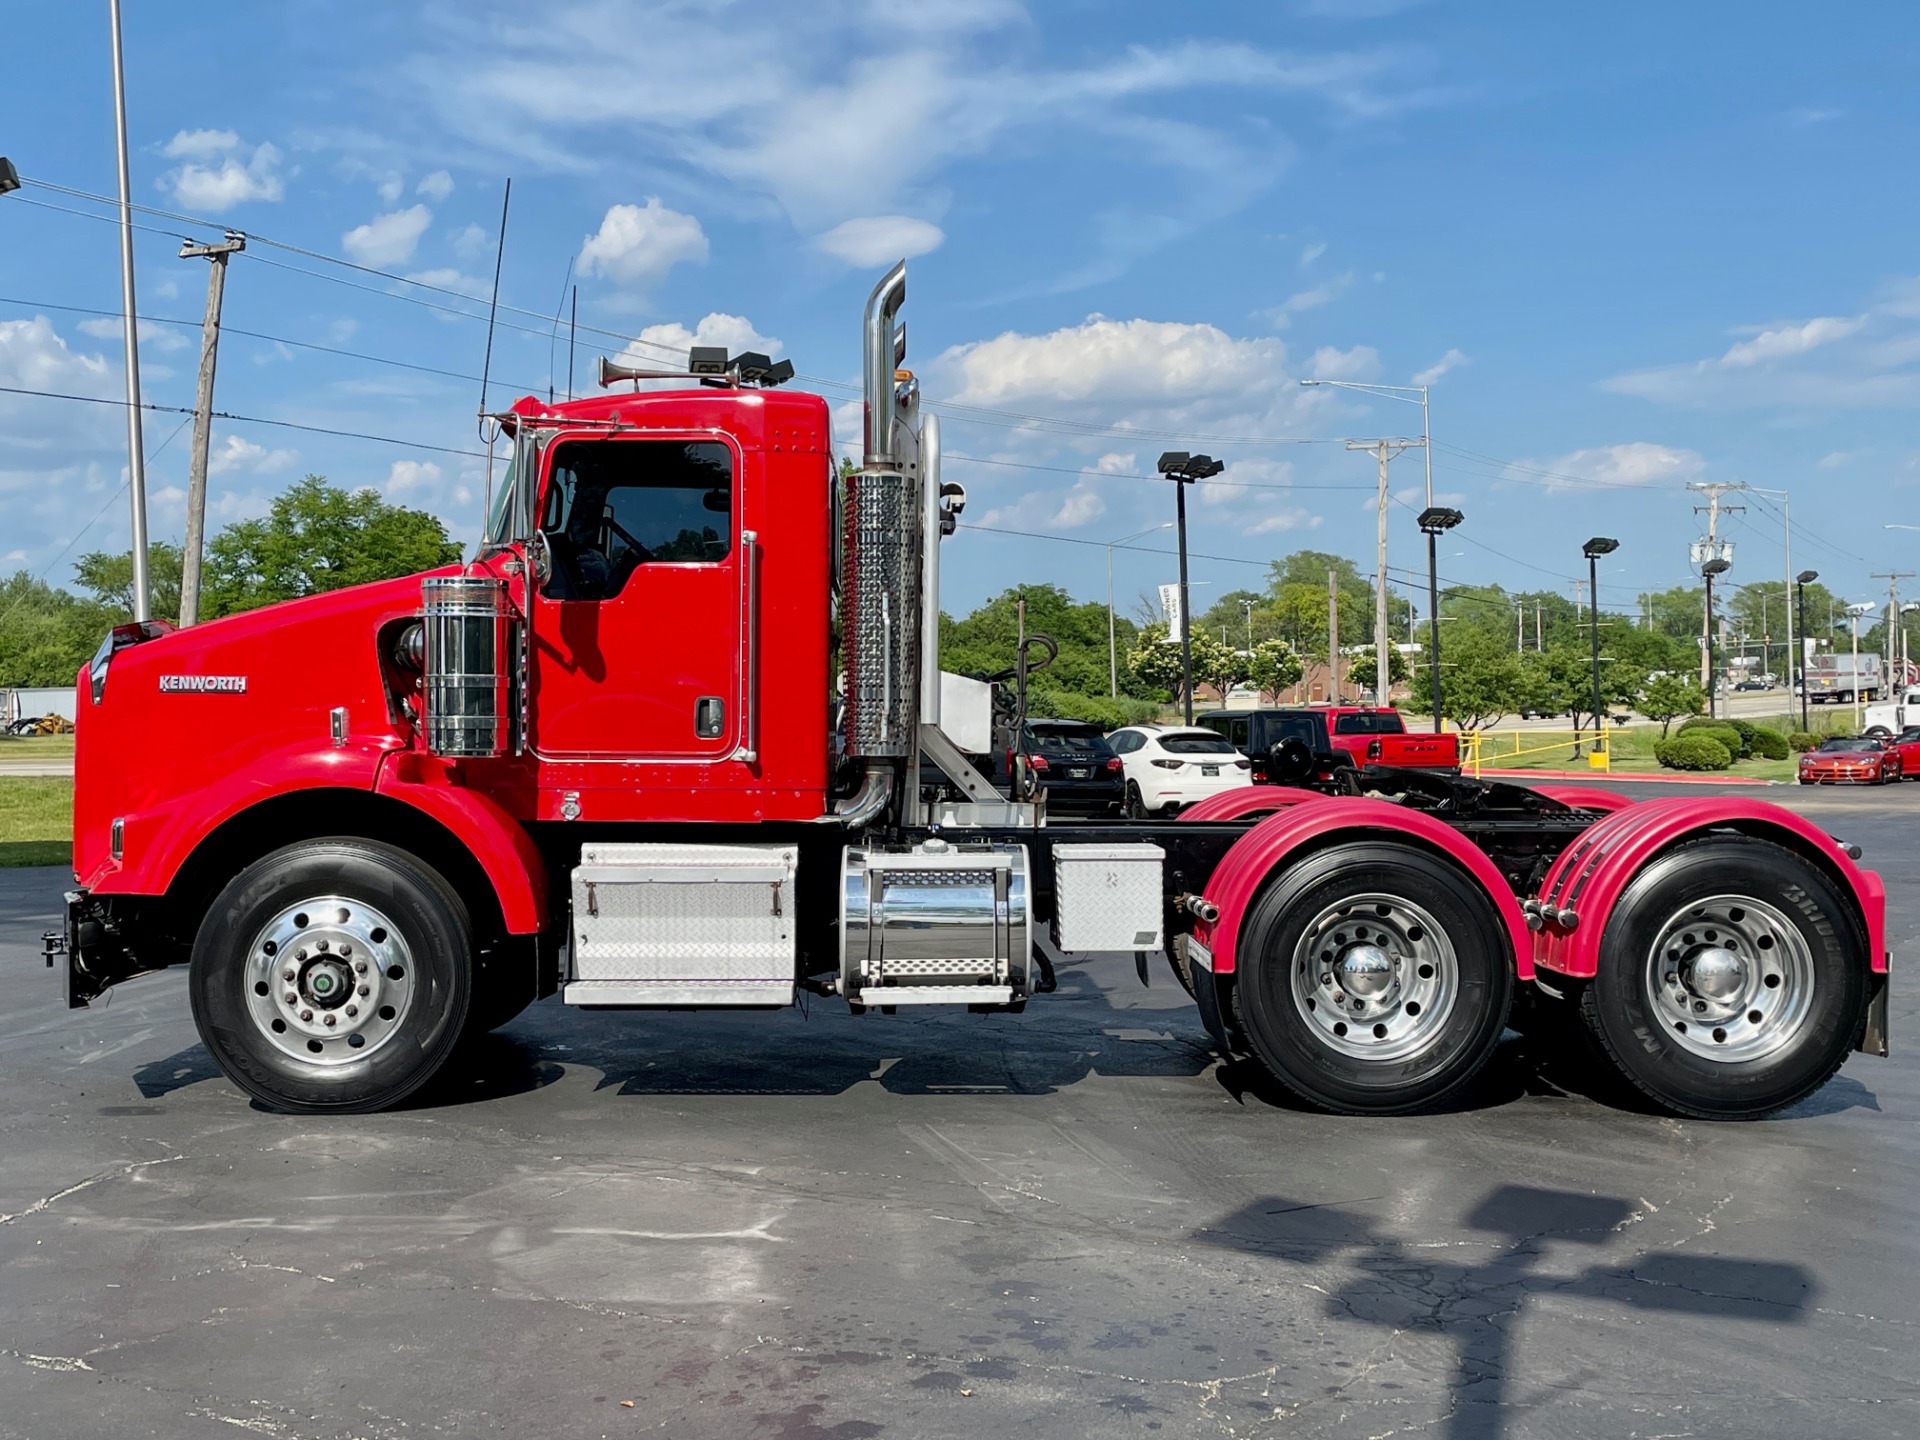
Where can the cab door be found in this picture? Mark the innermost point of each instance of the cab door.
(635, 644)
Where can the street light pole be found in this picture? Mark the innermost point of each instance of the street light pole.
(136, 448)
(1397, 392)
(1854, 612)
(1183, 469)
(1113, 662)
(1434, 521)
(1801, 581)
(1596, 547)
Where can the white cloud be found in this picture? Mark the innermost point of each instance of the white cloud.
(446, 277)
(880, 239)
(667, 345)
(1116, 362)
(1635, 464)
(1312, 253)
(1324, 293)
(388, 239)
(392, 188)
(1785, 340)
(221, 171)
(436, 187)
(1362, 362)
(470, 241)
(231, 454)
(1812, 115)
(638, 244)
(405, 477)
(1452, 360)
(153, 335)
(34, 357)
(1280, 521)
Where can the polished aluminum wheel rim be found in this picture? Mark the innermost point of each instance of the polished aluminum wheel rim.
(1375, 977)
(1730, 978)
(329, 980)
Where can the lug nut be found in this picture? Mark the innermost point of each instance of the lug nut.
(359, 967)
(292, 999)
(287, 975)
(345, 949)
(352, 1010)
(321, 946)
(365, 991)
(301, 953)
(327, 1019)
(306, 1014)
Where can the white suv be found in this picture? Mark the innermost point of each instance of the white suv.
(1169, 766)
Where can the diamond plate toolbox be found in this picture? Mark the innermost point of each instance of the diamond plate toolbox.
(1108, 897)
(687, 919)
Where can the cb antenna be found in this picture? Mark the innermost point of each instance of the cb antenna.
(486, 367)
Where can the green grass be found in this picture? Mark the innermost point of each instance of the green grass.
(1632, 754)
(36, 747)
(36, 821)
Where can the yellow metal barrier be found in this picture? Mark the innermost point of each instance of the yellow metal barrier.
(1490, 748)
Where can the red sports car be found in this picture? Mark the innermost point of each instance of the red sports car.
(1852, 760)
(1907, 745)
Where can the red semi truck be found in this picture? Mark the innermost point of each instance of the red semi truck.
(650, 749)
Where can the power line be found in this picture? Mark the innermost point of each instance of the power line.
(1129, 475)
(248, 420)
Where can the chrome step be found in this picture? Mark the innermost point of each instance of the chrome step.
(876, 995)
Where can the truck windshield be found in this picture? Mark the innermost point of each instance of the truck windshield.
(501, 510)
(1371, 722)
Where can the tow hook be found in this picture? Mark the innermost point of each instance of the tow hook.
(52, 943)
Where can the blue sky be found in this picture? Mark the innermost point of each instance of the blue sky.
(1628, 248)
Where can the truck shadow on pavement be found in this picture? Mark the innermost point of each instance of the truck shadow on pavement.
(1476, 1305)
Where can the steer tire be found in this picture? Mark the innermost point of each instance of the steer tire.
(1290, 1031)
(1815, 949)
(400, 917)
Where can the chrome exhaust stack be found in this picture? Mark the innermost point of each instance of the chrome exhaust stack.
(880, 558)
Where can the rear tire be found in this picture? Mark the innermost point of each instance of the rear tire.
(1136, 808)
(1375, 978)
(379, 948)
(1732, 980)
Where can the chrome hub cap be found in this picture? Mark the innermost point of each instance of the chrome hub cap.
(329, 980)
(1730, 978)
(1375, 978)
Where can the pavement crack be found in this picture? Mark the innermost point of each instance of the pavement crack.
(46, 1202)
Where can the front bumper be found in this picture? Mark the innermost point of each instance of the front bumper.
(96, 953)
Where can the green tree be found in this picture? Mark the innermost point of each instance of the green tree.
(1274, 665)
(46, 635)
(1154, 660)
(319, 537)
(986, 640)
(109, 578)
(1220, 666)
(1362, 668)
(1667, 697)
(1482, 680)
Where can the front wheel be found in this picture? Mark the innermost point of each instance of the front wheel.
(1375, 978)
(1732, 980)
(332, 976)
(1136, 807)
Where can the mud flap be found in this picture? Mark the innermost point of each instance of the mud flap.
(1873, 1033)
(1207, 996)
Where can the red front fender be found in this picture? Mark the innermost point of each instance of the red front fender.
(1593, 872)
(1269, 844)
(498, 842)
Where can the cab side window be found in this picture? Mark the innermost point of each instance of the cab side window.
(615, 505)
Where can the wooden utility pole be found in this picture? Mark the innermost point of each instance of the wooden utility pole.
(203, 418)
(1383, 451)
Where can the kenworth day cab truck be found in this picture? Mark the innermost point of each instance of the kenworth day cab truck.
(652, 749)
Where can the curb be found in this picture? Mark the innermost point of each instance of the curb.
(1617, 777)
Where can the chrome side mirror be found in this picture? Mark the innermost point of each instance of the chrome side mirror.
(539, 559)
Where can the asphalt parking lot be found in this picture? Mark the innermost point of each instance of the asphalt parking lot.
(1065, 1223)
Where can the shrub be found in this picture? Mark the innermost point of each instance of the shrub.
(1770, 744)
(1110, 714)
(1748, 733)
(1694, 750)
(1736, 735)
(1803, 740)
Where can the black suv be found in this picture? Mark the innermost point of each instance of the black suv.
(1287, 747)
(1071, 761)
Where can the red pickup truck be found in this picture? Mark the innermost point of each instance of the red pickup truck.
(1380, 737)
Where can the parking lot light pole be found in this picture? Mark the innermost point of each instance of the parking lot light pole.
(1596, 547)
(1435, 521)
(1183, 469)
(1113, 662)
(1800, 583)
(1713, 567)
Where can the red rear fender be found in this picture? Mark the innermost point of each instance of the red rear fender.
(1249, 800)
(1316, 820)
(1593, 872)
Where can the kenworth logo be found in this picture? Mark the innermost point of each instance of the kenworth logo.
(203, 684)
